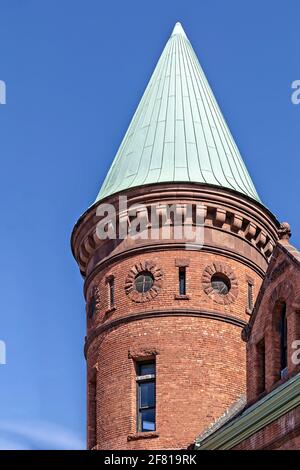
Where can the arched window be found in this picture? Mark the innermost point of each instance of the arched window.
(279, 346)
(260, 367)
(283, 338)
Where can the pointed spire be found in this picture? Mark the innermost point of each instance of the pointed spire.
(178, 29)
(178, 133)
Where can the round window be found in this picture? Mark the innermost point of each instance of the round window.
(143, 282)
(220, 283)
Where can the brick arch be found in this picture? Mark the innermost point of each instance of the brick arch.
(296, 301)
(282, 293)
(278, 307)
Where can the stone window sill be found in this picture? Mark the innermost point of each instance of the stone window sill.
(142, 435)
(108, 313)
(110, 310)
(181, 297)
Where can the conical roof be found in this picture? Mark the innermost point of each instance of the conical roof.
(178, 133)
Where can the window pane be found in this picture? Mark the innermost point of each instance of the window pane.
(283, 338)
(220, 283)
(148, 420)
(250, 296)
(147, 394)
(111, 293)
(144, 282)
(146, 369)
(182, 281)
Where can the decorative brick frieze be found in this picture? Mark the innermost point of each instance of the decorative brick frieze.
(250, 222)
(252, 233)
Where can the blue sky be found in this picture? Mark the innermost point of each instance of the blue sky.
(75, 71)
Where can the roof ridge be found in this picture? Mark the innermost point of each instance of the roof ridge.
(291, 250)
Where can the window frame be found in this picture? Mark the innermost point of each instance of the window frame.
(261, 366)
(142, 379)
(279, 340)
(250, 297)
(217, 278)
(144, 275)
(182, 280)
(283, 334)
(111, 292)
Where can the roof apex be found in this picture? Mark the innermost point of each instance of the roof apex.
(178, 29)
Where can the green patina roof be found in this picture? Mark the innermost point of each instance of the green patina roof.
(178, 133)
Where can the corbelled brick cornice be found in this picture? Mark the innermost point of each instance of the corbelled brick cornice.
(223, 210)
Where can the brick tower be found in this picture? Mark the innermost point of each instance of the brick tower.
(164, 316)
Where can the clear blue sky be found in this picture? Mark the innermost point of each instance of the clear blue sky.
(75, 71)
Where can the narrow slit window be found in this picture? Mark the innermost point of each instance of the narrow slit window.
(146, 420)
(111, 292)
(182, 281)
(250, 297)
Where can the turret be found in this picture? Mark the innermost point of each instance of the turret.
(173, 253)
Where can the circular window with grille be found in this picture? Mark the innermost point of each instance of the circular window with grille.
(221, 283)
(144, 281)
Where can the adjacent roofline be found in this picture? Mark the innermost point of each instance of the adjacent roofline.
(292, 252)
(274, 405)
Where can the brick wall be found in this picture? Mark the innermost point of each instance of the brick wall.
(282, 434)
(199, 368)
(200, 360)
(195, 338)
(281, 287)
